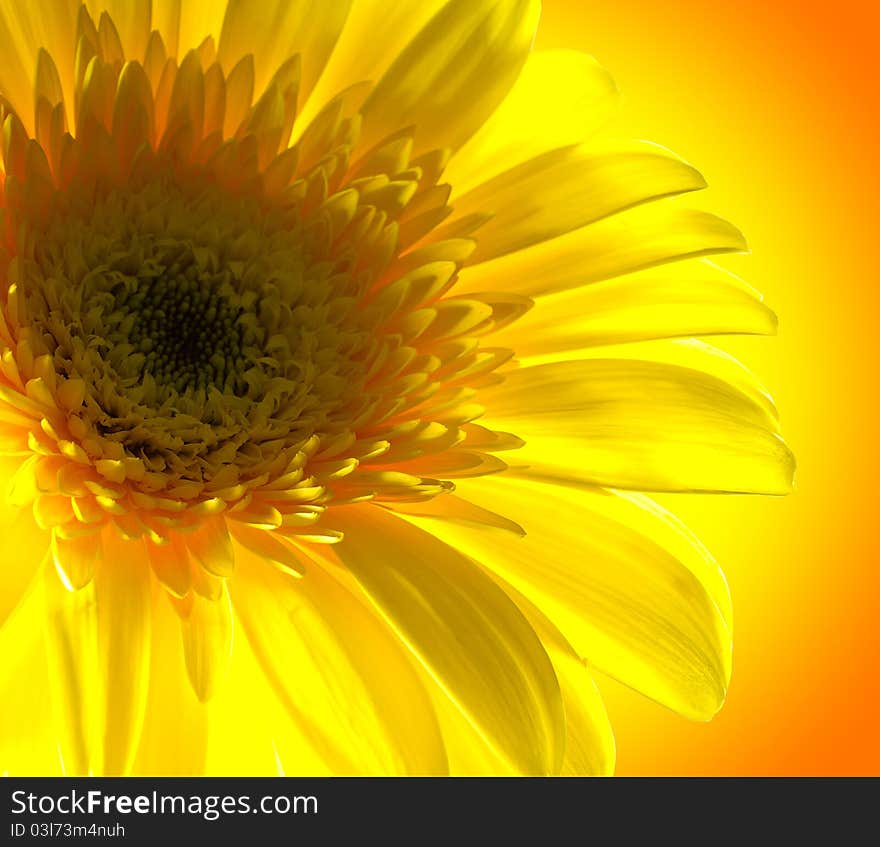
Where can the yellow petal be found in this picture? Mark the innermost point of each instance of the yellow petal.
(171, 566)
(23, 31)
(133, 114)
(467, 749)
(197, 19)
(637, 238)
(589, 739)
(339, 671)
(28, 746)
(166, 20)
(99, 651)
(266, 740)
(132, 20)
(560, 98)
(211, 547)
(359, 55)
(123, 612)
(274, 30)
(453, 74)
(21, 552)
(174, 738)
(681, 299)
(686, 353)
(207, 643)
(627, 605)
(643, 425)
(75, 558)
(49, 111)
(455, 509)
(565, 189)
(265, 545)
(465, 630)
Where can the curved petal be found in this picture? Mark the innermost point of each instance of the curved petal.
(207, 629)
(27, 742)
(634, 610)
(452, 508)
(638, 238)
(566, 189)
(590, 749)
(274, 30)
(23, 31)
(453, 74)
(185, 24)
(690, 353)
(266, 741)
(643, 425)
(464, 629)
(560, 98)
(340, 673)
(173, 741)
(23, 548)
(132, 19)
(99, 659)
(468, 751)
(680, 299)
(359, 56)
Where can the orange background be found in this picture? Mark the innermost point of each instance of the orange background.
(777, 104)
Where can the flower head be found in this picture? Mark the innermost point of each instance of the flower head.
(310, 313)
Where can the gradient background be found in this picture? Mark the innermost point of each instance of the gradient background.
(777, 104)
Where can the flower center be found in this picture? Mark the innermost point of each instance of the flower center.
(187, 329)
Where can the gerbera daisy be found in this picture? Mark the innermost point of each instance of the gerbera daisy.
(336, 353)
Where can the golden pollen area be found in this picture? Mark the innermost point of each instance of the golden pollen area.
(203, 328)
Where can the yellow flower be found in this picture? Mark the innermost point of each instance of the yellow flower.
(284, 274)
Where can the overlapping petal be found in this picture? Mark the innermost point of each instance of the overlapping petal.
(655, 617)
(99, 660)
(341, 674)
(644, 425)
(465, 630)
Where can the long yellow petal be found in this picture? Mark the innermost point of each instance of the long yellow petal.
(71, 647)
(174, 738)
(453, 74)
(341, 674)
(359, 56)
(23, 33)
(590, 749)
(465, 630)
(589, 739)
(627, 605)
(568, 188)
(99, 650)
(638, 238)
(207, 643)
(690, 353)
(468, 751)
(267, 739)
(132, 19)
(28, 746)
(23, 548)
(275, 30)
(643, 425)
(560, 98)
(680, 299)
